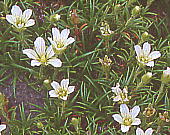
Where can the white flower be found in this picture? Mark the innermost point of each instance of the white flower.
(121, 95)
(2, 127)
(144, 56)
(41, 55)
(61, 90)
(19, 19)
(139, 131)
(127, 118)
(60, 41)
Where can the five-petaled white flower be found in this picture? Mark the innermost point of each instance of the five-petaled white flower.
(18, 19)
(60, 41)
(144, 56)
(61, 90)
(127, 118)
(139, 131)
(121, 95)
(2, 127)
(41, 55)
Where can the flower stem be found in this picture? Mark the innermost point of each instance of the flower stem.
(40, 74)
(161, 93)
(136, 73)
(63, 107)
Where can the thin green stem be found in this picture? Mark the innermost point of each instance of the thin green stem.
(40, 74)
(136, 73)
(63, 107)
(161, 93)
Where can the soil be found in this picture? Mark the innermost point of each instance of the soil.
(23, 94)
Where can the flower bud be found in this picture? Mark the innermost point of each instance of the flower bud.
(166, 76)
(136, 11)
(55, 17)
(149, 111)
(146, 77)
(145, 36)
(40, 125)
(46, 81)
(75, 123)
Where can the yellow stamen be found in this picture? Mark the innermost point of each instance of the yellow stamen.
(127, 121)
(61, 92)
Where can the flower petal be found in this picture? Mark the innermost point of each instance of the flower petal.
(40, 46)
(11, 19)
(139, 131)
(117, 118)
(138, 50)
(56, 34)
(2, 127)
(30, 53)
(49, 52)
(116, 89)
(125, 90)
(117, 98)
(30, 22)
(51, 40)
(55, 62)
(27, 14)
(52, 93)
(55, 85)
(64, 34)
(16, 11)
(68, 41)
(146, 48)
(125, 128)
(154, 55)
(70, 89)
(124, 110)
(149, 131)
(150, 64)
(136, 121)
(35, 63)
(65, 83)
(135, 111)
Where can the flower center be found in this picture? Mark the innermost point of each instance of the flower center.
(127, 121)
(60, 44)
(43, 59)
(122, 95)
(20, 21)
(61, 92)
(144, 59)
